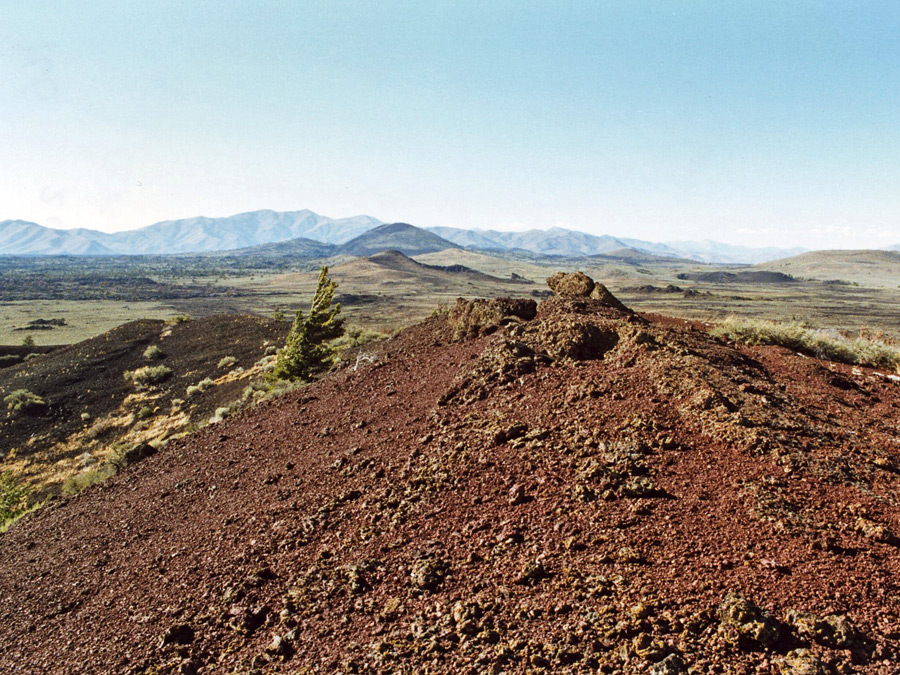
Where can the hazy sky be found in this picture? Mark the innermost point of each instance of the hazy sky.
(762, 123)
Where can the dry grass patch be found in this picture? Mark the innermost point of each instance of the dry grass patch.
(866, 350)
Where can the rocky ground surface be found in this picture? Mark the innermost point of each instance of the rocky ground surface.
(571, 488)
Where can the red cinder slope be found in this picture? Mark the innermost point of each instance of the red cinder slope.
(586, 491)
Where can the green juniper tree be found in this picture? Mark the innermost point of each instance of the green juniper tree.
(307, 350)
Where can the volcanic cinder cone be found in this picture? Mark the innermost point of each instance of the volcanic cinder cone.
(587, 490)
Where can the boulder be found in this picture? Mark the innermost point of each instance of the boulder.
(471, 318)
(580, 285)
(601, 293)
(574, 285)
(749, 624)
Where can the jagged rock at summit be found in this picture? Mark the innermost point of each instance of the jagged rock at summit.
(580, 285)
(574, 285)
(575, 489)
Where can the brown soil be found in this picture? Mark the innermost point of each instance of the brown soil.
(586, 491)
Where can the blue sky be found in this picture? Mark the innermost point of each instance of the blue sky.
(761, 123)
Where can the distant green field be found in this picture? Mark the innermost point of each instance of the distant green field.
(84, 318)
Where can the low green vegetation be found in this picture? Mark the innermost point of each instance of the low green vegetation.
(80, 481)
(148, 375)
(153, 353)
(221, 413)
(24, 401)
(824, 344)
(226, 362)
(440, 309)
(120, 457)
(13, 499)
(356, 336)
(308, 350)
(201, 386)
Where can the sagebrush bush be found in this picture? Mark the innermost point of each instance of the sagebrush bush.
(101, 427)
(80, 481)
(22, 400)
(440, 309)
(226, 362)
(356, 336)
(153, 353)
(220, 415)
(202, 385)
(824, 344)
(148, 374)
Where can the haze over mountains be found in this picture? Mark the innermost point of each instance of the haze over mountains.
(324, 236)
(191, 235)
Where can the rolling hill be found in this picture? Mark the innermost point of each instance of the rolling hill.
(556, 241)
(402, 237)
(872, 268)
(505, 488)
(297, 248)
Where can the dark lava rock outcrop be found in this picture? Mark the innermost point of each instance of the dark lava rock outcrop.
(579, 490)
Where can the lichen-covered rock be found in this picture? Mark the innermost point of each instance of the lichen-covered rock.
(532, 572)
(876, 531)
(802, 662)
(279, 648)
(580, 285)
(745, 623)
(574, 285)
(355, 576)
(428, 573)
(833, 631)
(648, 648)
(640, 486)
(601, 293)
(573, 340)
(245, 620)
(471, 318)
(673, 664)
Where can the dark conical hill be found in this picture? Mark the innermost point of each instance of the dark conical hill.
(407, 239)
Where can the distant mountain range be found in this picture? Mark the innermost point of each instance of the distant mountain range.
(192, 235)
(322, 236)
(569, 243)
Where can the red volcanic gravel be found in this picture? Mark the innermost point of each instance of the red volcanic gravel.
(586, 491)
